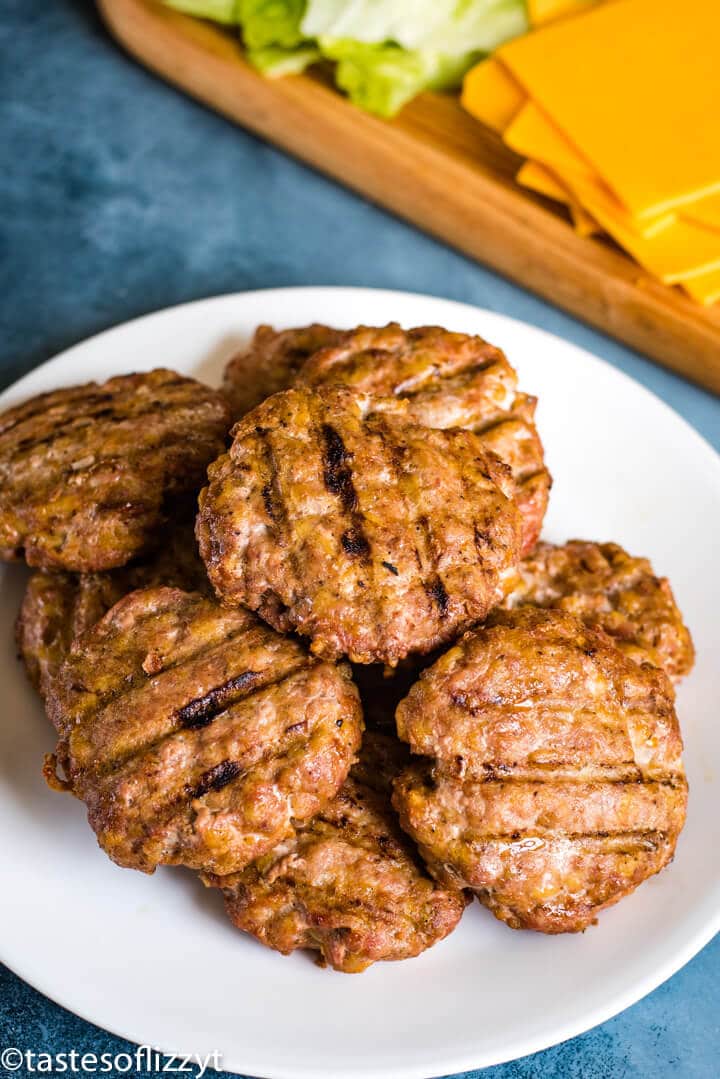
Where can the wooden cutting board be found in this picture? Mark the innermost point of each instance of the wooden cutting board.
(438, 168)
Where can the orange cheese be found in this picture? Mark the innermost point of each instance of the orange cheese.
(541, 179)
(492, 95)
(542, 11)
(705, 211)
(633, 85)
(705, 288)
(532, 135)
(676, 253)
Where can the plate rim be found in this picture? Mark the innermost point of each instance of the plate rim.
(521, 1046)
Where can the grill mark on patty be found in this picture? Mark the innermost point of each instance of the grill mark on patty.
(41, 408)
(201, 711)
(337, 475)
(642, 838)
(437, 377)
(550, 772)
(267, 497)
(436, 590)
(171, 803)
(354, 543)
(433, 583)
(112, 759)
(482, 540)
(525, 474)
(139, 678)
(216, 778)
(338, 479)
(35, 484)
(109, 417)
(393, 460)
(499, 419)
(275, 507)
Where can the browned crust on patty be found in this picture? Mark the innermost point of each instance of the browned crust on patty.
(89, 475)
(611, 590)
(449, 380)
(348, 884)
(271, 363)
(375, 538)
(196, 735)
(58, 607)
(555, 782)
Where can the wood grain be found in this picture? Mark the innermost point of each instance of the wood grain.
(438, 168)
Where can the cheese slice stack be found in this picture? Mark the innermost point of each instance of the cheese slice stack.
(614, 105)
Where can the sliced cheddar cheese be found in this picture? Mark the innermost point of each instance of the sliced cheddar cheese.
(542, 11)
(622, 81)
(681, 251)
(705, 288)
(533, 135)
(492, 95)
(541, 179)
(705, 211)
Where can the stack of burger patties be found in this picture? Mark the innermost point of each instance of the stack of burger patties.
(301, 636)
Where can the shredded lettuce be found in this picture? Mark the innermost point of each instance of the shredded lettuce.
(450, 27)
(272, 23)
(385, 51)
(275, 62)
(383, 78)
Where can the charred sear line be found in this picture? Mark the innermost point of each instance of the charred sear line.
(267, 496)
(642, 837)
(483, 540)
(436, 590)
(110, 415)
(216, 778)
(336, 472)
(355, 543)
(201, 711)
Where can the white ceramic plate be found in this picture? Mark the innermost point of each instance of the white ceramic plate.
(153, 958)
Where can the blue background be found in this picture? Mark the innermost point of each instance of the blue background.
(120, 196)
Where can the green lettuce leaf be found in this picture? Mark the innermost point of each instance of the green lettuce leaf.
(270, 23)
(386, 51)
(446, 27)
(274, 61)
(383, 78)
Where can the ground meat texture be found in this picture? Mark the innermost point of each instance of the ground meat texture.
(555, 784)
(58, 607)
(271, 363)
(348, 884)
(607, 588)
(449, 380)
(196, 735)
(374, 538)
(89, 476)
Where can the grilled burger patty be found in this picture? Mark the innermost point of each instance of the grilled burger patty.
(58, 607)
(347, 883)
(608, 589)
(196, 735)
(88, 475)
(449, 380)
(556, 785)
(270, 363)
(373, 537)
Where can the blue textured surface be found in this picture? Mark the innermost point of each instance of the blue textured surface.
(120, 196)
